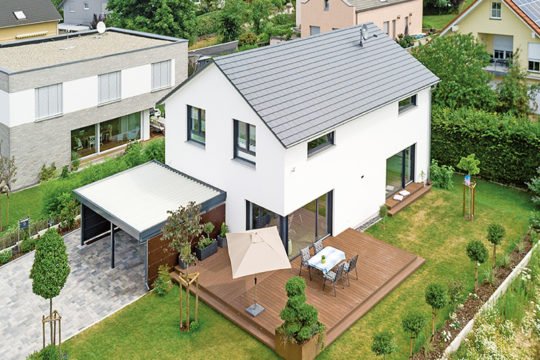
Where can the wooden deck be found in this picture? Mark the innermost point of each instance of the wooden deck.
(417, 190)
(381, 267)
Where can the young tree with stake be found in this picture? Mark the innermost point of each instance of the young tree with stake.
(495, 234)
(477, 252)
(50, 269)
(413, 323)
(436, 297)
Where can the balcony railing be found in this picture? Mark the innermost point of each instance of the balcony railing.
(498, 67)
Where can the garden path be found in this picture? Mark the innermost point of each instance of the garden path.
(92, 292)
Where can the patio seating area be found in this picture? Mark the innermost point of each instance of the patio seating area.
(380, 267)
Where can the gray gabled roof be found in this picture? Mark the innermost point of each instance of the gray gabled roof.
(36, 11)
(306, 87)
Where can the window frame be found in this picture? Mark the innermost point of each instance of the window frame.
(533, 61)
(107, 76)
(200, 118)
(412, 101)
(496, 7)
(326, 5)
(238, 150)
(169, 70)
(60, 103)
(330, 141)
(312, 27)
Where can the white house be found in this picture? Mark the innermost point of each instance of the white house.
(310, 135)
(82, 95)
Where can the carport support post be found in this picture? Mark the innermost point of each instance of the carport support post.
(112, 245)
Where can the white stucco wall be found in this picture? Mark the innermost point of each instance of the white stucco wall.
(77, 94)
(285, 180)
(261, 184)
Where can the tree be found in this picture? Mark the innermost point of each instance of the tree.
(469, 164)
(300, 320)
(459, 61)
(166, 17)
(233, 15)
(436, 297)
(413, 323)
(260, 11)
(514, 93)
(50, 269)
(438, 4)
(495, 234)
(8, 171)
(181, 227)
(477, 252)
(383, 344)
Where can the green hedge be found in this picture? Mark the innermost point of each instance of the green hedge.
(508, 148)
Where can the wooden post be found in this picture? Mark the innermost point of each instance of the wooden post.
(43, 323)
(197, 301)
(181, 289)
(188, 312)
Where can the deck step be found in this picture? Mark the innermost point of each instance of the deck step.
(395, 207)
(373, 299)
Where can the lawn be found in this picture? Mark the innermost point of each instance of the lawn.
(438, 22)
(432, 228)
(23, 203)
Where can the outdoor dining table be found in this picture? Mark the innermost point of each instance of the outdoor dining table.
(333, 257)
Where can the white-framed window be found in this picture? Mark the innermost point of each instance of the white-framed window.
(534, 57)
(109, 88)
(496, 10)
(386, 27)
(49, 101)
(161, 75)
(314, 30)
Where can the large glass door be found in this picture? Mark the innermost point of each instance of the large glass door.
(399, 170)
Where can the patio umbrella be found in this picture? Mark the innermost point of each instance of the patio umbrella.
(256, 251)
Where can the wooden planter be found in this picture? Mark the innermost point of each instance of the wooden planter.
(222, 241)
(293, 351)
(207, 251)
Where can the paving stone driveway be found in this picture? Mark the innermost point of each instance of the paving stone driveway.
(93, 291)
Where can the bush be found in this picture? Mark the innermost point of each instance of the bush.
(50, 352)
(208, 23)
(163, 283)
(155, 150)
(27, 244)
(456, 292)
(133, 155)
(508, 148)
(383, 344)
(69, 209)
(534, 187)
(441, 175)
(9, 237)
(247, 38)
(47, 172)
(5, 256)
(405, 41)
(534, 221)
(65, 172)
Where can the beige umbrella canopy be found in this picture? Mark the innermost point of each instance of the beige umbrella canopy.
(256, 251)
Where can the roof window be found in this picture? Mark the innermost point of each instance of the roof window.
(19, 14)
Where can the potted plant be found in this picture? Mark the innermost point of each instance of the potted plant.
(222, 238)
(323, 259)
(206, 245)
(301, 334)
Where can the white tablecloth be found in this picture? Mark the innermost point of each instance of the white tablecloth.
(333, 257)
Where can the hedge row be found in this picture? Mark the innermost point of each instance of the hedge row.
(508, 148)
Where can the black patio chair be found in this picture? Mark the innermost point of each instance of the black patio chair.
(334, 277)
(350, 266)
(305, 256)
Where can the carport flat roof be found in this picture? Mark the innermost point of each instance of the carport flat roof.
(137, 200)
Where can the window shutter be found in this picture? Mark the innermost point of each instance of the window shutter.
(534, 51)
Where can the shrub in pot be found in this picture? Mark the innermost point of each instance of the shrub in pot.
(301, 334)
(206, 245)
(222, 238)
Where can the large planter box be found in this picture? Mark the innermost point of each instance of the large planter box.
(293, 351)
(207, 251)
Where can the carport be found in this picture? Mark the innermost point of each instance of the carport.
(136, 201)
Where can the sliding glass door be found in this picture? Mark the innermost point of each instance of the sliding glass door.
(399, 170)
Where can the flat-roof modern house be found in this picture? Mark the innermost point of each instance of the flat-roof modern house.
(394, 17)
(81, 95)
(82, 12)
(504, 27)
(312, 135)
(24, 19)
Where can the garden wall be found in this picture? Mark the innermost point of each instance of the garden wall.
(508, 148)
(159, 252)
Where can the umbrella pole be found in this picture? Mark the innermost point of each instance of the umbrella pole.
(255, 295)
(255, 309)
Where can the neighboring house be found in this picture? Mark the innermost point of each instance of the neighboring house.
(23, 19)
(81, 12)
(504, 27)
(311, 135)
(393, 16)
(82, 95)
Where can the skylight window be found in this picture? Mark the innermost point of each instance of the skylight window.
(20, 15)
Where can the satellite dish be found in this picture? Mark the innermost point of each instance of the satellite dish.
(364, 32)
(101, 27)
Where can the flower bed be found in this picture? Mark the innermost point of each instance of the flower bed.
(466, 310)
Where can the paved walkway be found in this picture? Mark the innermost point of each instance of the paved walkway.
(93, 291)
